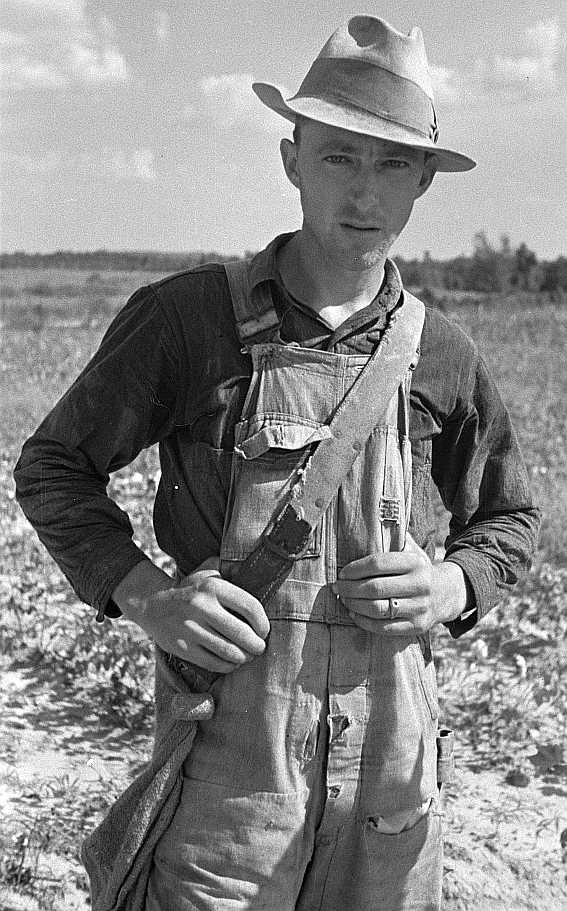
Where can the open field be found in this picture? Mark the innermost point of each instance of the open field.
(38, 298)
(76, 717)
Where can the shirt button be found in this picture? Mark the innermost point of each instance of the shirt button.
(334, 790)
(319, 503)
(357, 445)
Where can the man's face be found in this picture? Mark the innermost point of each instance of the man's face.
(357, 192)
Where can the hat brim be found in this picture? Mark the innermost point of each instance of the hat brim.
(349, 117)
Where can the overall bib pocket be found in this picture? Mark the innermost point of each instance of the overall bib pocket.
(269, 448)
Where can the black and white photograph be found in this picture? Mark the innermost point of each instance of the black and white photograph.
(283, 596)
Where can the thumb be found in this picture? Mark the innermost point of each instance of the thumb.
(410, 545)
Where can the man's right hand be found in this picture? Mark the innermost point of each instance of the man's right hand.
(203, 619)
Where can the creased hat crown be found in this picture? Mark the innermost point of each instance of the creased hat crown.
(373, 40)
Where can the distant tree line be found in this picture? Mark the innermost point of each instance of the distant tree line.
(122, 261)
(489, 268)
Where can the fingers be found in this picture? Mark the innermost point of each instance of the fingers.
(202, 657)
(412, 616)
(367, 585)
(241, 602)
(390, 628)
(393, 563)
(376, 610)
(209, 621)
(207, 588)
(380, 588)
(208, 641)
(222, 649)
(204, 646)
(226, 627)
(228, 621)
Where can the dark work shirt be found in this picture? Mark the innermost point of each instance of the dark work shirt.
(171, 370)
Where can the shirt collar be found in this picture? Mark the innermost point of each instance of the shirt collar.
(264, 267)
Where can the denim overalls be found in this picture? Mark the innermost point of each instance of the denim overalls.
(331, 733)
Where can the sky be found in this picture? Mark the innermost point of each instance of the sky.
(131, 125)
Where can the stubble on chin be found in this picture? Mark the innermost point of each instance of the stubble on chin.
(369, 259)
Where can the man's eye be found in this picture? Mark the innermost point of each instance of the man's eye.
(336, 159)
(397, 163)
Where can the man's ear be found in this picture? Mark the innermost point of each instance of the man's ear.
(429, 169)
(288, 151)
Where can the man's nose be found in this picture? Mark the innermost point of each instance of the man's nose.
(366, 187)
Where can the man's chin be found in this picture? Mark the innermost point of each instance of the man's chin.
(357, 258)
(365, 250)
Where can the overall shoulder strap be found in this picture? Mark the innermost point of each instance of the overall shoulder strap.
(254, 310)
(418, 308)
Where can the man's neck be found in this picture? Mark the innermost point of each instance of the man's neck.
(334, 294)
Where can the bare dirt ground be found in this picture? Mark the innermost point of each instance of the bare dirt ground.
(54, 758)
(503, 849)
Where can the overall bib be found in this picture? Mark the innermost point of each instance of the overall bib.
(318, 743)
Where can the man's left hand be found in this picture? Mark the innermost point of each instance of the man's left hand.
(404, 583)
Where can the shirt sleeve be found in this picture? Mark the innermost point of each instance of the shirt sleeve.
(479, 471)
(121, 403)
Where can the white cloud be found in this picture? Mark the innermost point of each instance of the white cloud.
(60, 47)
(96, 64)
(525, 72)
(230, 101)
(11, 39)
(163, 26)
(105, 28)
(68, 9)
(446, 84)
(24, 164)
(136, 165)
(544, 37)
(534, 69)
(21, 70)
(229, 97)
(117, 164)
(517, 72)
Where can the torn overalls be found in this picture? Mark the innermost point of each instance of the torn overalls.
(323, 748)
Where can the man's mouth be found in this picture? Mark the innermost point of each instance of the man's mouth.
(362, 228)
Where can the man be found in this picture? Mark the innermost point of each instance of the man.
(311, 778)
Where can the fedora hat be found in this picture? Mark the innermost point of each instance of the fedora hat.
(371, 79)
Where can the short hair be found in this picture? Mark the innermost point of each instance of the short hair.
(299, 119)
